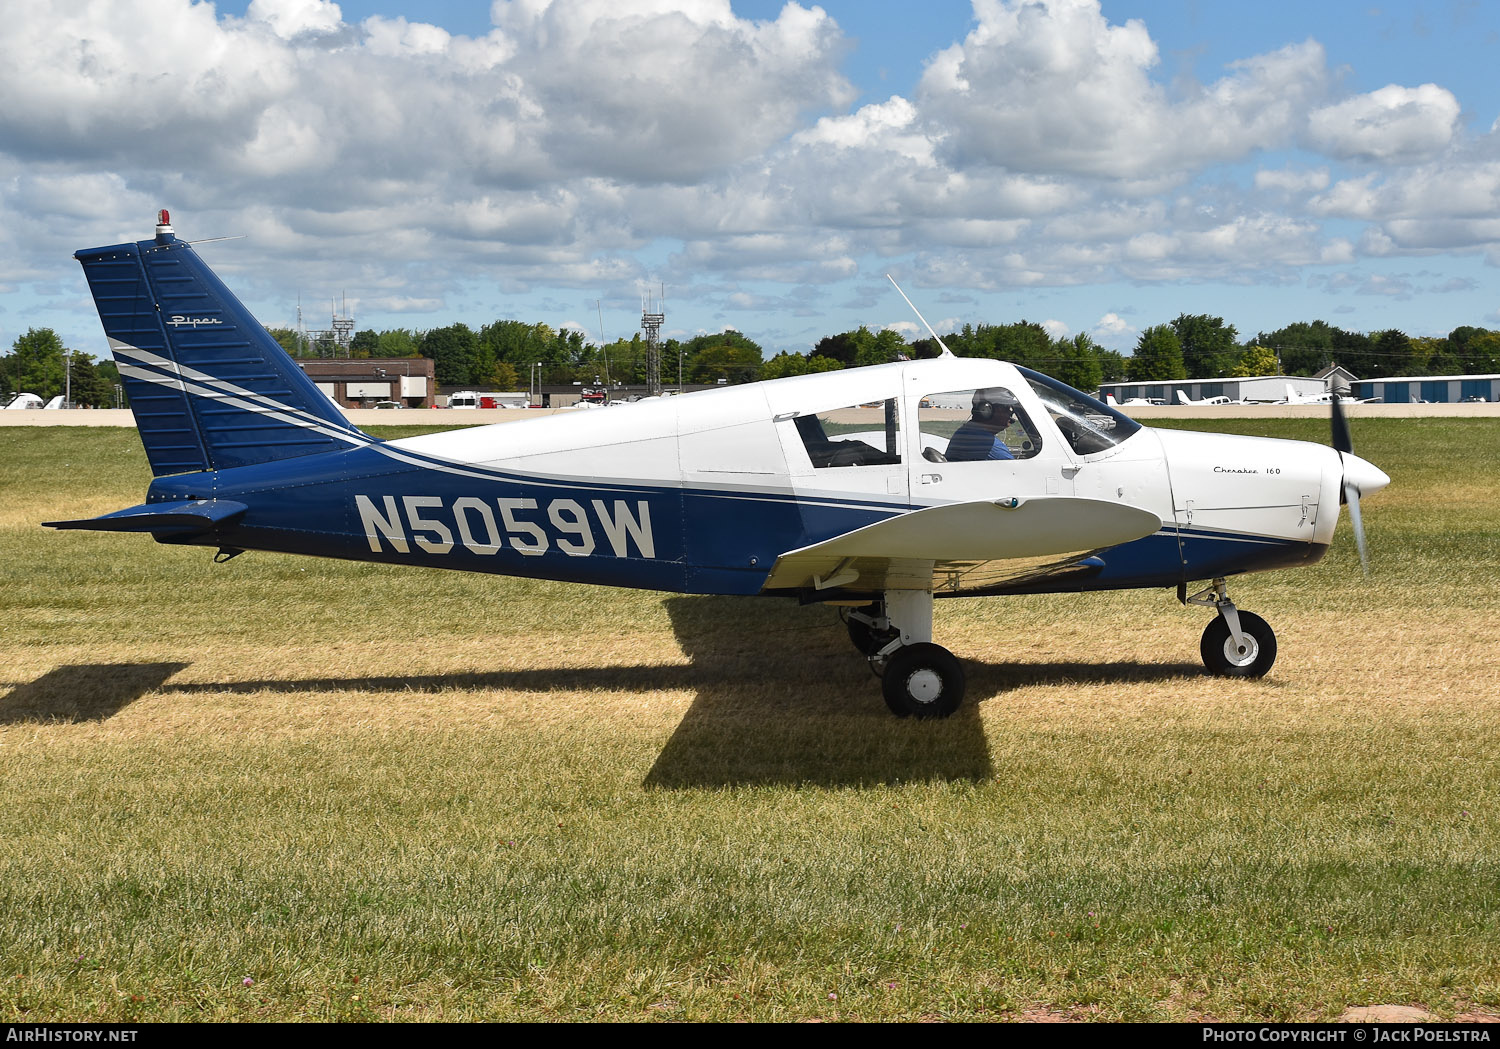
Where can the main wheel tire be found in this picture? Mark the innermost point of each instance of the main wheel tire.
(923, 681)
(1223, 659)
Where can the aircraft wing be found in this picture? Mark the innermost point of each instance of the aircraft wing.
(963, 546)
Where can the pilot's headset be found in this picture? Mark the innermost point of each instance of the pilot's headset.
(987, 402)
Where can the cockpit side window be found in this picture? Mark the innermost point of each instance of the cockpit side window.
(859, 435)
(974, 425)
(1089, 426)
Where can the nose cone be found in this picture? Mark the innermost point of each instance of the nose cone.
(1364, 476)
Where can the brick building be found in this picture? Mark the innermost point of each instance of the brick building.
(355, 383)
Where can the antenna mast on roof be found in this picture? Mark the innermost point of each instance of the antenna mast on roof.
(946, 352)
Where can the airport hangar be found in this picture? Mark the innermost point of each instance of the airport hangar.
(1429, 389)
(1417, 389)
(1269, 388)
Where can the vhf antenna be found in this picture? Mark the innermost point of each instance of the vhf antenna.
(946, 352)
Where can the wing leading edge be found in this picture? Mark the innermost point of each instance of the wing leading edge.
(963, 546)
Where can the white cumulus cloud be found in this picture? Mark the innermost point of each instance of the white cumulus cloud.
(1056, 87)
(576, 139)
(1393, 124)
(291, 17)
(1114, 332)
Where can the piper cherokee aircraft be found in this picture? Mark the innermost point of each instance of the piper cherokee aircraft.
(1184, 399)
(1293, 397)
(874, 490)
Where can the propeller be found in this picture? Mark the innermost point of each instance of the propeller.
(1360, 477)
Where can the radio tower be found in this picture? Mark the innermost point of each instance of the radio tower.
(332, 341)
(651, 323)
(343, 328)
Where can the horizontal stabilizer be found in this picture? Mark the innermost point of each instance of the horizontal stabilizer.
(938, 545)
(175, 519)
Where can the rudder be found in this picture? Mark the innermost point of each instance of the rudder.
(209, 387)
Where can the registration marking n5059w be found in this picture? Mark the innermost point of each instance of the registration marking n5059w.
(436, 525)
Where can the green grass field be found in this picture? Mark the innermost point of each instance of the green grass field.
(283, 788)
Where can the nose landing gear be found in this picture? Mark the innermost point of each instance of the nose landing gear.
(1235, 644)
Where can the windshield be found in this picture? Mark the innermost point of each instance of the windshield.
(1088, 425)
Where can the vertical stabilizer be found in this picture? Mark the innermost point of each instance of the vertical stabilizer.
(209, 387)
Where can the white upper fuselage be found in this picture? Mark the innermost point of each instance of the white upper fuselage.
(745, 440)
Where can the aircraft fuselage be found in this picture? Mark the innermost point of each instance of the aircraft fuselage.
(700, 494)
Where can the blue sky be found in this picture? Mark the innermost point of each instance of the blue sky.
(1099, 168)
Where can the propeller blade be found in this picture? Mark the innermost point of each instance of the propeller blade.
(1351, 496)
(1341, 439)
(1359, 477)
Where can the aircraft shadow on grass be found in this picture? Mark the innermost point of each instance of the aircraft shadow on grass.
(781, 698)
(85, 692)
(785, 699)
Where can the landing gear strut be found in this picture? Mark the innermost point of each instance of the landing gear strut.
(1235, 644)
(869, 629)
(918, 679)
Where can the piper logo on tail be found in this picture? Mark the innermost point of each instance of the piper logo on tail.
(436, 525)
(177, 320)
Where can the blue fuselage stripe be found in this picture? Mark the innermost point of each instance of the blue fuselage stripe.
(367, 504)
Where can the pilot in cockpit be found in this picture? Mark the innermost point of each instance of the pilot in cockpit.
(993, 412)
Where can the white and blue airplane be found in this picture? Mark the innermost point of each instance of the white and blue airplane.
(1185, 400)
(874, 490)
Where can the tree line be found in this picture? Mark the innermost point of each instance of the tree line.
(504, 355)
(39, 363)
(1194, 347)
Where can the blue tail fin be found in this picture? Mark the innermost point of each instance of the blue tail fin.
(209, 387)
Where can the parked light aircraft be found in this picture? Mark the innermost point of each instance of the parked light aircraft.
(854, 488)
(1129, 402)
(24, 401)
(1183, 398)
(1293, 397)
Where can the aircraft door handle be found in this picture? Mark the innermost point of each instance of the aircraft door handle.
(1071, 471)
(931, 478)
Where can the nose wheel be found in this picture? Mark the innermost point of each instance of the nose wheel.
(1235, 644)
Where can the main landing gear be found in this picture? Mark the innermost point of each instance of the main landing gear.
(1235, 644)
(919, 679)
(923, 680)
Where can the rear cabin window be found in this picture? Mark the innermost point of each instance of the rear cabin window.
(859, 435)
